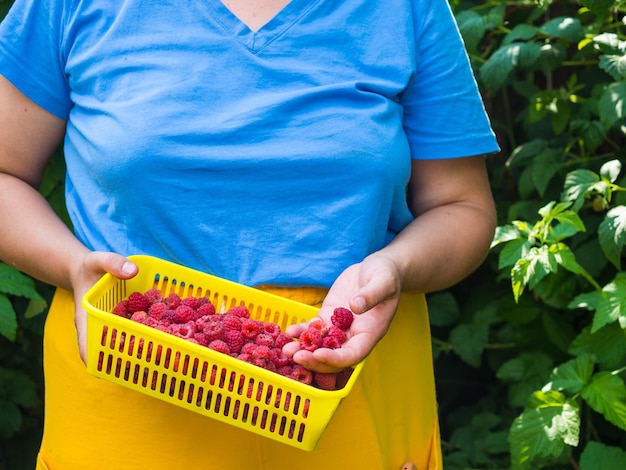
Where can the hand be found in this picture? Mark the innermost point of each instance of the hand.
(94, 265)
(371, 289)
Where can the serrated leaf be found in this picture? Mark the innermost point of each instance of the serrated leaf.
(572, 376)
(614, 65)
(549, 422)
(599, 7)
(8, 319)
(597, 455)
(586, 300)
(609, 43)
(549, 57)
(469, 341)
(520, 32)
(612, 304)
(505, 234)
(612, 104)
(577, 185)
(611, 170)
(564, 27)
(35, 307)
(565, 258)
(606, 394)
(521, 154)
(612, 235)
(472, 28)
(528, 366)
(443, 309)
(18, 388)
(545, 166)
(499, 65)
(13, 282)
(512, 252)
(607, 345)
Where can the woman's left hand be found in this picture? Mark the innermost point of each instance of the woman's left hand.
(371, 289)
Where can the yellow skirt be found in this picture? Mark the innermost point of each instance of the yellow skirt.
(389, 418)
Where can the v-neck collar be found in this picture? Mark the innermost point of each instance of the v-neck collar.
(257, 40)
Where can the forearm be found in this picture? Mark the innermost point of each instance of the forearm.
(32, 237)
(442, 246)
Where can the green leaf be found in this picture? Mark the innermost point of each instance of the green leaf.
(472, 27)
(577, 184)
(512, 252)
(611, 170)
(606, 394)
(572, 376)
(14, 282)
(505, 234)
(612, 304)
(599, 7)
(545, 166)
(587, 300)
(609, 43)
(549, 58)
(549, 422)
(521, 32)
(614, 65)
(18, 388)
(565, 258)
(564, 27)
(612, 104)
(525, 152)
(35, 307)
(443, 309)
(607, 345)
(469, 341)
(10, 419)
(532, 268)
(597, 455)
(8, 319)
(612, 235)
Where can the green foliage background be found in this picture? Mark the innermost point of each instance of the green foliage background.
(530, 350)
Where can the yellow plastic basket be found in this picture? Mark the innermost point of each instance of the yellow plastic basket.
(195, 377)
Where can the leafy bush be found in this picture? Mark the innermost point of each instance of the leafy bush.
(535, 340)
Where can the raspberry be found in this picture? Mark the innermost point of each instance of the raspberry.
(153, 295)
(213, 330)
(325, 381)
(278, 358)
(190, 301)
(239, 311)
(234, 340)
(271, 329)
(139, 316)
(302, 374)
(335, 332)
(281, 340)
(173, 300)
(311, 339)
(206, 309)
(136, 302)
(248, 348)
(265, 340)
(342, 378)
(286, 371)
(250, 329)
(262, 352)
(183, 330)
(169, 316)
(219, 346)
(156, 309)
(201, 338)
(121, 309)
(319, 324)
(231, 322)
(331, 342)
(186, 314)
(342, 318)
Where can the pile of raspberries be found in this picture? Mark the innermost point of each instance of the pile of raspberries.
(236, 334)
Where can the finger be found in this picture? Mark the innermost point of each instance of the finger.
(408, 466)
(113, 263)
(375, 291)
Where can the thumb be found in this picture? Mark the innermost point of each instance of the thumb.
(113, 263)
(377, 290)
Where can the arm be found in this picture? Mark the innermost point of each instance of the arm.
(32, 238)
(449, 238)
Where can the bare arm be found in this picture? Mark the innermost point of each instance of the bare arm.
(32, 238)
(449, 238)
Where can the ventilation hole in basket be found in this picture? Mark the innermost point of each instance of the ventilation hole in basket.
(127, 371)
(155, 382)
(199, 396)
(186, 364)
(155, 283)
(250, 388)
(131, 345)
(273, 422)
(136, 374)
(227, 403)
(172, 389)
(259, 391)
(296, 405)
(279, 395)
(263, 423)
(268, 394)
(109, 364)
(232, 381)
(113, 337)
(190, 391)
(166, 359)
(203, 372)
(100, 361)
(305, 408)
(103, 340)
(194, 368)
(223, 374)
(209, 399)
(236, 409)
(218, 403)
(181, 390)
(149, 351)
(283, 426)
(255, 416)
(118, 367)
(176, 363)
(301, 432)
(287, 401)
(292, 429)
(122, 342)
(241, 386)
(144, 379)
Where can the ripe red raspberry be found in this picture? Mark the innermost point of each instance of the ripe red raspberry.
(337, 333)
(231, 322)
(213, 330)
(250, 329)
(285, 371)
(154, 295)
(264, 340)
(169, 316)
(173, 300)
(186, 314)
(190, 301)
(139, 316)
(325, 381)
(239, 311)
(331, 342)
(302, 374)
(319, 324)
(219, 346)
(234, 339)
(156, 309)
(206, 309)
(271, 329)
(311, 339)
(121, 309)
(262, 352)
(183, 330)
(281, 340)
(278, 358)
(342, 318)
(137, 302)
(201, 338)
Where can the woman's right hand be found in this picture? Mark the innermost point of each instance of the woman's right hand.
(92, 267)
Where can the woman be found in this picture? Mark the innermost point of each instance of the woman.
(310, 148)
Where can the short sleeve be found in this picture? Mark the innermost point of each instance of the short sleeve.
(444, 113)
(31, 53)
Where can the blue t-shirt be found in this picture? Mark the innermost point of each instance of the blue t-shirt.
(279, 156)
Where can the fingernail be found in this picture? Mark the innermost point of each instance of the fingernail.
(360, 304)
(128, 268)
